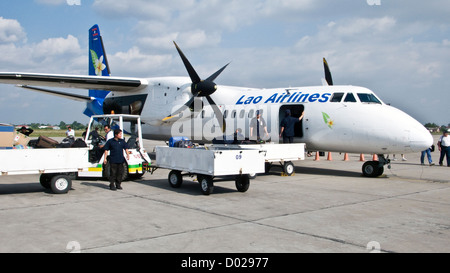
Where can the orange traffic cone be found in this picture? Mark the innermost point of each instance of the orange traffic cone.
(317, 157)
(361, 157)
(329, 158)
(375, 157)
(346, 157)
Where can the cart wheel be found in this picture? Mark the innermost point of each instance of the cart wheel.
(288, 168)
(242, 182)
(44, 179)
(60, 184)
(206, 184)
(175, 179)
(267, 167)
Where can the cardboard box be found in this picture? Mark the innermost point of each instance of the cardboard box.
(21, 139)
(6, 135)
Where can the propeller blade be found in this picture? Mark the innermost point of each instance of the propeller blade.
(190, 69)
(218, 113)
(214, 76)
(200, 88)
(181, 109)
(328, 77)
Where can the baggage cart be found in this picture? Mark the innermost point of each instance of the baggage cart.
(283, 154)
(210, 162)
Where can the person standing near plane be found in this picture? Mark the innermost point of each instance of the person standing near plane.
(70, 132)
(116, 146)
(444, 148)
(109, 133)
(288, 127)
(258, 127)
(428, 153)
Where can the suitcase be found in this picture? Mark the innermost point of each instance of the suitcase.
(46, 142)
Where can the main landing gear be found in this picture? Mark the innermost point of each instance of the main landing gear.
(375, 168)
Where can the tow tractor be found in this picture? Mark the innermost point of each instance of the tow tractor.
(58, 166)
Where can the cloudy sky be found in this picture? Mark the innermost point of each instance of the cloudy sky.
(399, 49)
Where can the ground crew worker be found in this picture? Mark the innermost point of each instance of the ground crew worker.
(116, 146)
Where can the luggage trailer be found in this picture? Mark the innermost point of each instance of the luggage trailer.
(240, 161)
(58, 166)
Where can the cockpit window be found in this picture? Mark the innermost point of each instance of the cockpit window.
(337, 97)
(350, 98)
(368, 98)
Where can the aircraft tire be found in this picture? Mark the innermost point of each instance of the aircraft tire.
(372, 169)
(242, 182)
(175, 179)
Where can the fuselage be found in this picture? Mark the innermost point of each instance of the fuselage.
(336, 118)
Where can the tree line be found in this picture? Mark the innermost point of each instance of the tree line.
(62, 125)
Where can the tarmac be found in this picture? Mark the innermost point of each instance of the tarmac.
(325, 207)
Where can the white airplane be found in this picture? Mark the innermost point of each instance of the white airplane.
(345, 118)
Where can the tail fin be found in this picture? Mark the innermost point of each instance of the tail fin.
(98, 62)
(98, 66)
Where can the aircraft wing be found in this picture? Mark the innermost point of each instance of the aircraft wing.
(120, 84)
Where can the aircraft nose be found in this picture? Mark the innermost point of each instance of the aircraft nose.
(420, 139)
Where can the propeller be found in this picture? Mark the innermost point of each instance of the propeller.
(327, 72)
(200, 88)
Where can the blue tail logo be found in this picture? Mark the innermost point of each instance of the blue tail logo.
(98, 66)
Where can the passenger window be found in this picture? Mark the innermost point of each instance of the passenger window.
(337, 97)
(250, 114)
(368, 98)
(350, 98)
(225, 113)
(233, 114)
(242, 113)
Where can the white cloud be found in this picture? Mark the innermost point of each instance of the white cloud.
(54, 55)
(55, 47)
(134, 63)
(11, 31)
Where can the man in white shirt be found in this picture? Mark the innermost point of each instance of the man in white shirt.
(109, 132)
(444, 147)
(70, 132)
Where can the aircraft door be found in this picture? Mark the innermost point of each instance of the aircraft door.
(296, 112)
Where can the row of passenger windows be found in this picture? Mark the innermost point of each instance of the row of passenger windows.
(233, 113)
(363, 97)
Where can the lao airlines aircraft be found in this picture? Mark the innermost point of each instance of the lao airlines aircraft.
(335, 118)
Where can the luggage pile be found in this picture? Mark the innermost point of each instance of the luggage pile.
(46, 142)
(10, 139)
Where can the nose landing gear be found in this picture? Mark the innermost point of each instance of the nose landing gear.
(375, 168)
